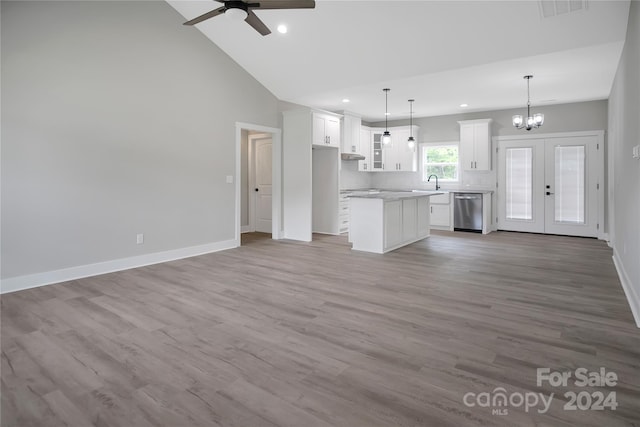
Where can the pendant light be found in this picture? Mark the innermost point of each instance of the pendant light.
(386, 136)
(534, 121)
(411, 142)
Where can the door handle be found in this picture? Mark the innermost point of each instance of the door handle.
(257, 189)
(549, 193)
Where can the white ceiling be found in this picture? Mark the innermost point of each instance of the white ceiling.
(441, 53)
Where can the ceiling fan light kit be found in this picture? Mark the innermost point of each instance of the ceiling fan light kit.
(531, 122)
(386, 136)
(236, 13)
(238, 10)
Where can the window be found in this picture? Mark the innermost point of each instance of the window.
(441, 160)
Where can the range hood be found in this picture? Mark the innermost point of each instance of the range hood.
(352, 156)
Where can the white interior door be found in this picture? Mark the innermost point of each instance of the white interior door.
(571, 180)
(262, 188)
(549, 185)
(520, 180)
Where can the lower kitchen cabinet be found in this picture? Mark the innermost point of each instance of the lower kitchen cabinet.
(405, 221)
(441, 216)
(424, 216)
(441, 213)
(383, 223)
(343, 215)
(392, 223)
(409, 219)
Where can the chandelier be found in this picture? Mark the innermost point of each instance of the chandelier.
(531, 122)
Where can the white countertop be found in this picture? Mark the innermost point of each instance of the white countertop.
(471, 191)
(396, 195)
(361, 191)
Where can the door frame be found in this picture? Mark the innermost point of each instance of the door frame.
(276, 177)
(601, 179)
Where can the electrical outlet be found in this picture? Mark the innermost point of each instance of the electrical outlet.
(636, 152)
(139, 239)
(229, 179)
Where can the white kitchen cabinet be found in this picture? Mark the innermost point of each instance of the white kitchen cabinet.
(377, 152)
(326, 129)
(351, 126)
(365, 149)
(441, 212)
(475, 144)
(399, 157)
(441, 216)
(409, 219)
(343, 214)
(392, 223)
(385, 222)
(396, 156)
(424, 216)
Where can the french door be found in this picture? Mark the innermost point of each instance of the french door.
(550, 185)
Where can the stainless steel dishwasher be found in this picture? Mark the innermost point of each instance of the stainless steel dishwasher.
(467, 212)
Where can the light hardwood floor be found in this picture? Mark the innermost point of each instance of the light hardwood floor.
(314, 334)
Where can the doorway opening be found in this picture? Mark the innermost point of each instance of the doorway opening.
(258, 181)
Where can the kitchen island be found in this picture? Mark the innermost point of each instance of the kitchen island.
(388, 220)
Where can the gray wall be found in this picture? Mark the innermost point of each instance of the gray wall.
(557, 118)
(624, 185)
(116, 120)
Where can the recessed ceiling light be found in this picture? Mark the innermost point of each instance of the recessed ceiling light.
(282, 29)
(464, 105)
(346, 100)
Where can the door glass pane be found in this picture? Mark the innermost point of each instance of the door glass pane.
(569, 184)
(519, 191)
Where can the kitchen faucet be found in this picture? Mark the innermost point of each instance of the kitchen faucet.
(429, 179)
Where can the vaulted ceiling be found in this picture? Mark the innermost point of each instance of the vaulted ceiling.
(441, 53)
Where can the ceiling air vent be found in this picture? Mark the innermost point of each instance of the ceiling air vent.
(549, 8)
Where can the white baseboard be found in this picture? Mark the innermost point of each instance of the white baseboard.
(245, 229)
(632, 296)
(19, 283)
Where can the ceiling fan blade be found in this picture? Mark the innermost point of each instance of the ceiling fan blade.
(256, 23)
(206, 16)
(286, 4)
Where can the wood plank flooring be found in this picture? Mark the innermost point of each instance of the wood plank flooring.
(314, 334)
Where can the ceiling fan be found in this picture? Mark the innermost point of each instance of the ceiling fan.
(241, 10)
